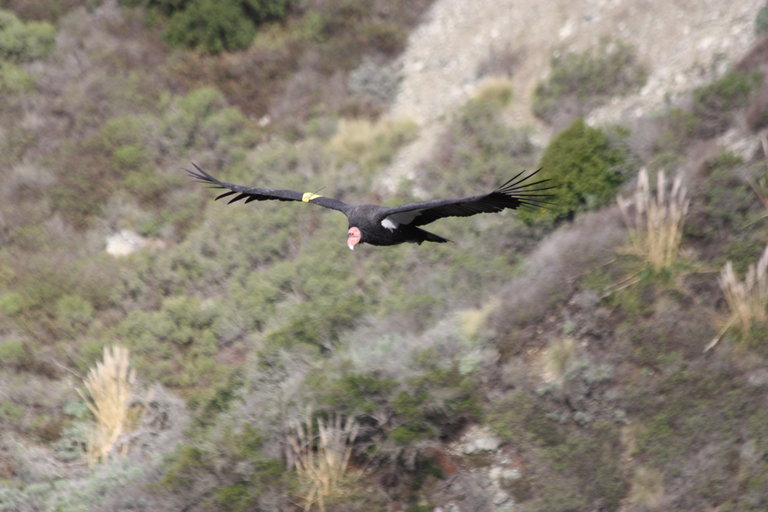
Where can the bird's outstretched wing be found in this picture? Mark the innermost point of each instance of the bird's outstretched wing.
(249, 194)
(515, 193)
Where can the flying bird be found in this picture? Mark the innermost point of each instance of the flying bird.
(391, 225)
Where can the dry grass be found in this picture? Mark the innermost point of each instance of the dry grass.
(656, 220)
(557, 359)
(647, 492)
(371, 144)
(109, 390)
(748, 299)
(322, 459)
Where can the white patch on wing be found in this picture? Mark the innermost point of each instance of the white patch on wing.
(391, 222)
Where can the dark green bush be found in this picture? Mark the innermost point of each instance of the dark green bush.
(714, 104)
(586, 167)
(588, 79)
(358, 393)
(761, 21)
(210, 26)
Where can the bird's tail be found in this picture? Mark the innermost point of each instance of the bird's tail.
(426, 236)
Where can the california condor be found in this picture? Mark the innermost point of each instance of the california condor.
(392, 225)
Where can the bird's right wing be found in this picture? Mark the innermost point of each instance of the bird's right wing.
(515, 193)
(249, 194)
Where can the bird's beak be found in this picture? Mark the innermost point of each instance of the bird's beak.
(354, 236)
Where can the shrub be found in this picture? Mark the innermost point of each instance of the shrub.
(73, 312)
(22, 42)
(14, 354)
(761, 21)
(209, 26)
(14, 79)
(12, 303)
(588, 79)
(586, 168)
(713, 104)
(175, 344)
(584, 474)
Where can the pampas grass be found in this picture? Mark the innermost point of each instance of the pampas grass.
(655, 221)
(109, 389)
(322, 459)
(747, 299)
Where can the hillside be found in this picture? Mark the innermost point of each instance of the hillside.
(162, 351)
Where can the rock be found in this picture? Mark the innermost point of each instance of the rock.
(127, 242)
(479, 440)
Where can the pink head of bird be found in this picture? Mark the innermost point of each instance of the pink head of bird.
(353, 237)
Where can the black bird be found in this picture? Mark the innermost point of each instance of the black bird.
(385, 225)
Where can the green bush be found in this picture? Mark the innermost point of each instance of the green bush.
(761, 21)
(358, 393)
(714, 104)
(210, 26)
(14, 353)
(585, 470)
(14, 79)
(588, 79)
(12, 303)
(22, 42)
(74, 313)
(243, 474)
(586, 167)
(176, 344)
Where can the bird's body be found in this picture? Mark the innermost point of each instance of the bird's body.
(384, 225)
(369, 219)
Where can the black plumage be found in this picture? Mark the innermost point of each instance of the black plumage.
(384, 225)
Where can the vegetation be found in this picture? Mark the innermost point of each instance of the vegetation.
(23, 42)
(511, 368)
(579, 82)
(747, 299)
(714, 104)
(587, 167)
(324, 467)
(761, 21)
(656, 222)
(212, 27)
(110, 389)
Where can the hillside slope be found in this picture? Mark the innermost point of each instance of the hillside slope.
(545, 361)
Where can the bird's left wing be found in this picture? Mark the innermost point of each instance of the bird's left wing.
(263, 194)
(515, 193)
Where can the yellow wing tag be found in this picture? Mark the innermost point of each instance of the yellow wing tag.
(308, 196)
